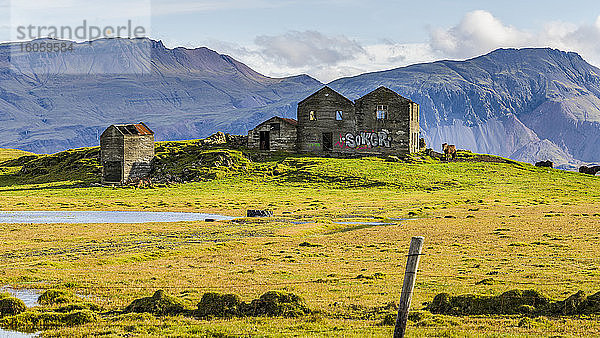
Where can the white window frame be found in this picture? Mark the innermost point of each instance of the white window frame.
(339, 115)
(381, 112)
(312, 115)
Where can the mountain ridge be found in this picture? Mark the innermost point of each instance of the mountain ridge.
(527, 104)
(462, 101)
(53, 102)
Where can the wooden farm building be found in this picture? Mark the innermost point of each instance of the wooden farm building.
(126, 151)
(276, 133)
(380, 122)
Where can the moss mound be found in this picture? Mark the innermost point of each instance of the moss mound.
(32, 320)
(526, 302)
(215, 304)
(11, 306)
(510, 302)
(279, 304)
(54, 297)
(577, 304)
(388, 320)
(187, 161)
(79, 306)
(159, 304)
(81, 164)
(271, 304)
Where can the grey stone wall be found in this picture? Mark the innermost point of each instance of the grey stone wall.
(111, 155)
(138, 152)
(415, 129)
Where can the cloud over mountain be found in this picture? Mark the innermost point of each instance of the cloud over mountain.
(328, 57)
(298, 49)
(480, 32)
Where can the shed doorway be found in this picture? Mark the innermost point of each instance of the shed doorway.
(265, 140)
(327, 141)
(113, 171)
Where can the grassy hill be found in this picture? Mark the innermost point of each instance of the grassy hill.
(490, 225)
(10, 154)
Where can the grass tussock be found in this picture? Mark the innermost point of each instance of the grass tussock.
(10, 305)
(524, 302)
(32, 321)
(58, 308)
(159, 304)
(54, 297)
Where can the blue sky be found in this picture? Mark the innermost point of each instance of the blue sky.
(368, 21)
(335, 38)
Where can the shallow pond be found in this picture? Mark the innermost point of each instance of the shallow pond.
(104, 217)
(29, 297)
(365, 223)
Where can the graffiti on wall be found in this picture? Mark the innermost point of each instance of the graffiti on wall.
(365, 140)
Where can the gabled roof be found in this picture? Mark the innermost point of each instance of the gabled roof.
(133, 129)
(292, 122)
(327, 90)
(382, 88)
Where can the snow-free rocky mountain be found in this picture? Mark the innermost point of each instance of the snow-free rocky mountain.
(526, 104)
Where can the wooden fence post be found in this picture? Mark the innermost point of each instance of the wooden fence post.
(412, 264)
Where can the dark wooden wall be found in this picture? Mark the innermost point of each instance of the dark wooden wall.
(324, 103)
(283, 139)
(125, 156)
(397, 124)
(360, 132)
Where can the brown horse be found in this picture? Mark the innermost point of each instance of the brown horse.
(449, 150)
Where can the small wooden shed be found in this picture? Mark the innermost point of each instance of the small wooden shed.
(126, 151)
(275, 134)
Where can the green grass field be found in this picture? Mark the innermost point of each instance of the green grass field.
(512, 224)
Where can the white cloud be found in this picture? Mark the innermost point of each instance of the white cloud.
(298, 49)
(583, 39)
(324, 57)
(479, 32)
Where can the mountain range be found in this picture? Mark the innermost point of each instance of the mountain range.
(527, 104)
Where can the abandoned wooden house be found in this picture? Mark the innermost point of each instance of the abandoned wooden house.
(380, 122)
(126, 151)
(277, 133)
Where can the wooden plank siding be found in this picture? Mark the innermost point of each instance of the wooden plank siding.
(126, 152)
(282, 134)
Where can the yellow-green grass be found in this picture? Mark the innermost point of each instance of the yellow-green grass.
(11, 154)
(523, 226)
